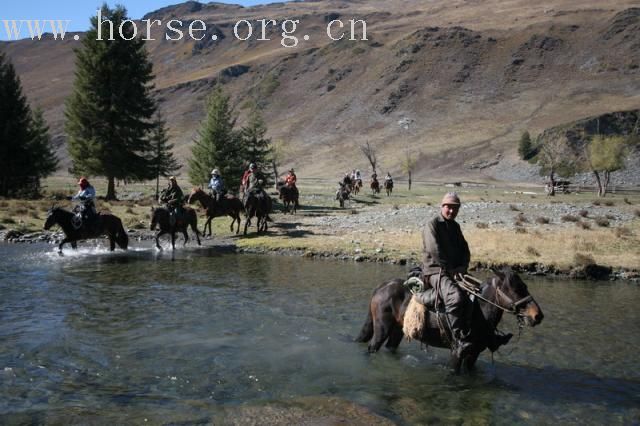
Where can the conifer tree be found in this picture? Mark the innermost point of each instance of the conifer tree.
(26, 154)
(162, 160)
(257, 148)
(109, 116)
(218, 145)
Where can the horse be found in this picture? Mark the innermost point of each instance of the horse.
(258, 205)
(229, 205)
(388, 186)
(357, 185)
(106, 224)
(503, 293)
(375, 186)
(342, 194)
(288, 195)
(160, 216)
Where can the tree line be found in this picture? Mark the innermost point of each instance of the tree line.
(114, 126)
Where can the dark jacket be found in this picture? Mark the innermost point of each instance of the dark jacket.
(444, 247)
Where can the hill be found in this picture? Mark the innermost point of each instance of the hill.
(454, 83)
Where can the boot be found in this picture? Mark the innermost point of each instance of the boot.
(461, 335)
(497, 340)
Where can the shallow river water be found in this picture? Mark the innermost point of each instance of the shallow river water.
(199, 336)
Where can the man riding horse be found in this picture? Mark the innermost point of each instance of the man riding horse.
(172, 197)
(446, 254)
(216, 185)
(290, 182)
(86, 210)
(251, 185)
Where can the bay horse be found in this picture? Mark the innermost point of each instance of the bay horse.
(357, 185)
(388, 186)
(289, 196)
(106, 224)
(375, 186)
(229, 205)
(258, 205)
(342, 195)
(160, 216)
(503, 293)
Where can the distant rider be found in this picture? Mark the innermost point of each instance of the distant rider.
(216, 184)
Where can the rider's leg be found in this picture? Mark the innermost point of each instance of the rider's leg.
(456, 301)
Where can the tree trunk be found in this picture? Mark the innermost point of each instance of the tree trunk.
(552, 182)
(157, 186)
(111, 191)
(409, 180)
(275, 174)
(598, 182)
(605, 185)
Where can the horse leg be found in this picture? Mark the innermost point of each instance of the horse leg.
(74, 245)
(381, 328)
(366, 333)
(112, 241)
(207, 223)
(194, 228)
(395, 337)
(157, 239)
(186, 236)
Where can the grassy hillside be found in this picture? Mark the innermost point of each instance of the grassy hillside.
(453, 83)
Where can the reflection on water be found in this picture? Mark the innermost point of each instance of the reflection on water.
(198, 335)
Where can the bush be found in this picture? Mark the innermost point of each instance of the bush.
(481, 225)
(602, 221)
(622, 232)
(542, 220)
(8, 220)
(596, 203)
(521, 231)
(583, 225)
(581, 259)
(610, 217)
(569, 218)
(532, 251)
(626, 200)
(583, 213)
(513, 208)
(609, 203)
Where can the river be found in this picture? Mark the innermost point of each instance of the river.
(201, 336)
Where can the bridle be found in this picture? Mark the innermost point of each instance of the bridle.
(509, 306)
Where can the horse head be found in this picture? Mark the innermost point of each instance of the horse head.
(51, 217)
(513, 296)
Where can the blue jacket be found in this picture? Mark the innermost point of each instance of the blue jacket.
(87, 194)
(216, 184)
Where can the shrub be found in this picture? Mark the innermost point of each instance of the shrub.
(481, 225)
(609, 203)
(129, 210)
(542, 220)
(623, 232)
(596, 203)
(34, 214)
(581, 259)
(569, 218)
(521, 230)
(583, 225)
(610, 217)
(532, 251)
(8, 220)
(626, 200)
(602, 221)
(513, 208)
(19, 211)
(583, 213)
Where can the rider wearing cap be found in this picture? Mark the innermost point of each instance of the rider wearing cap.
(216, 184)
(446, 254)
(87, 195)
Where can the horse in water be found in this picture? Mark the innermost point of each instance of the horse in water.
(106, 224)
(289, 196)
(503, 293)
(259, 205)
(388, 186)
(229, 205)
(160, 216)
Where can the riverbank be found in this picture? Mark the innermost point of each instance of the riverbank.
(573, 235)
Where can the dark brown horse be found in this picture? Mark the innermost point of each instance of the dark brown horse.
(504, 293)
(259, 206)
(388, 186)
(342, 195)
(375, 186)
(357, 186)
(289, 196)
(160, 216)
(229, 205)
(106, 224)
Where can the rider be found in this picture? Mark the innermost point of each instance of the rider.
(446, 254)
(388, 179)
(87, 209)
(216, 184)
(253, 183)
(244, 181)
(172, 197)
(347, 181)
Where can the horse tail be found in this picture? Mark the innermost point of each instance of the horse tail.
(367, 329)
(122, 239)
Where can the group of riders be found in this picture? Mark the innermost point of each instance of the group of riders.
(446, 252)
(354, 179)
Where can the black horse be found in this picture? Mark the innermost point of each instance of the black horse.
(259, 205)
(343, 193)
(388, 186)
(106, 224)
(289, 196)
(160, 216)
(228, 205)
(504, 293)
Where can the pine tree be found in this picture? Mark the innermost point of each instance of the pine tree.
(109, 116)
(218, 145)
(162, 160)
(525, 147)
(257, 149)
(26, 154)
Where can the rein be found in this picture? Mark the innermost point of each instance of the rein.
(472, 284)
